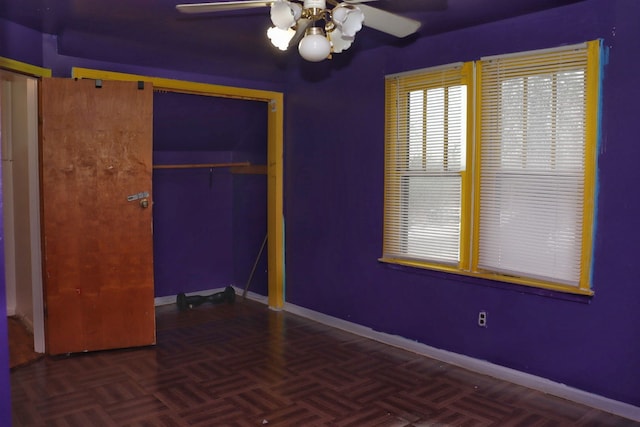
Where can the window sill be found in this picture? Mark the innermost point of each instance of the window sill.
(492, 280)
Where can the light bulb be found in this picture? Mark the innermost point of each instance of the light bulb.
(314, 46)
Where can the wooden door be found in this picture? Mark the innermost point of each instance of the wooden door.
(96, 158)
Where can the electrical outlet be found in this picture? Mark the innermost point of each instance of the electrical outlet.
(482, 319)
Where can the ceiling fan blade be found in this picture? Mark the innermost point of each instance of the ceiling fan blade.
(221, 6)
(388, 22)
(301, 27)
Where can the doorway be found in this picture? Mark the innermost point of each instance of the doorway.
(21, 206)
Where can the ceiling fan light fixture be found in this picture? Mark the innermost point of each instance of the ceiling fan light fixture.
(348, 19)
(285, 14)
(314, 46)
(280, 38)
(333, 29)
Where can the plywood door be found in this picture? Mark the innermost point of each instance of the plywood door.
(98, 249)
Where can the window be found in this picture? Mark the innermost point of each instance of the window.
(499, 185)
(426, 164)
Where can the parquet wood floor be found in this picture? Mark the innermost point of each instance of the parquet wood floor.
(245, 365)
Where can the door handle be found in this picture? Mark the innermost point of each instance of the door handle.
(137, 196)
(142, 196)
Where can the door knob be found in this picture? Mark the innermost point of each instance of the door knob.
(141, 197)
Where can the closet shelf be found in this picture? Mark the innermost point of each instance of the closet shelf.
(202, 165)
(250, 170)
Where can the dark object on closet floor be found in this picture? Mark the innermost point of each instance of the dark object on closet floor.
(186, 302)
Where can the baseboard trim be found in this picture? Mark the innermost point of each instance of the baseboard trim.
(480, 366)
(166, 300)
(26, 321)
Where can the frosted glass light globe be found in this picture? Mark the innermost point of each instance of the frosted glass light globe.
(285, 14)
(348, 19)
(280, 38)
(339, 42)
(314, 46)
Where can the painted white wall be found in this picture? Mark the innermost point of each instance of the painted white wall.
(20, 147)
(33, 168)
(7, 193)
(21, 205)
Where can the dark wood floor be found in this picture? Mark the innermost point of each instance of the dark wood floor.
(244, 365)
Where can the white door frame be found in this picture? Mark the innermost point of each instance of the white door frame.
(27, 76)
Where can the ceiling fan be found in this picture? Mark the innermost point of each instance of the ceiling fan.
(318, 31)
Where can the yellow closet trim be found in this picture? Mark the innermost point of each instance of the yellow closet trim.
(275, 170)
(24, 68)
(178, 85)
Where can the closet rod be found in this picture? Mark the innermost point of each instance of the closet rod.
(202, 165)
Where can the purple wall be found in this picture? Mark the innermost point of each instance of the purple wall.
(192, 217)
(207, 223)
(208, 226)
(20, 43)
(208, 236)
(249, 230)
(334, 201)
(250, 209)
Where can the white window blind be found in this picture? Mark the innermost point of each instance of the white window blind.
(532, 164)
(426, 130)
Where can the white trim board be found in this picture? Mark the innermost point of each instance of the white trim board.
(480, 366)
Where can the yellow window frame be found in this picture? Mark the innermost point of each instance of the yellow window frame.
(469, 245)
(465, 78)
